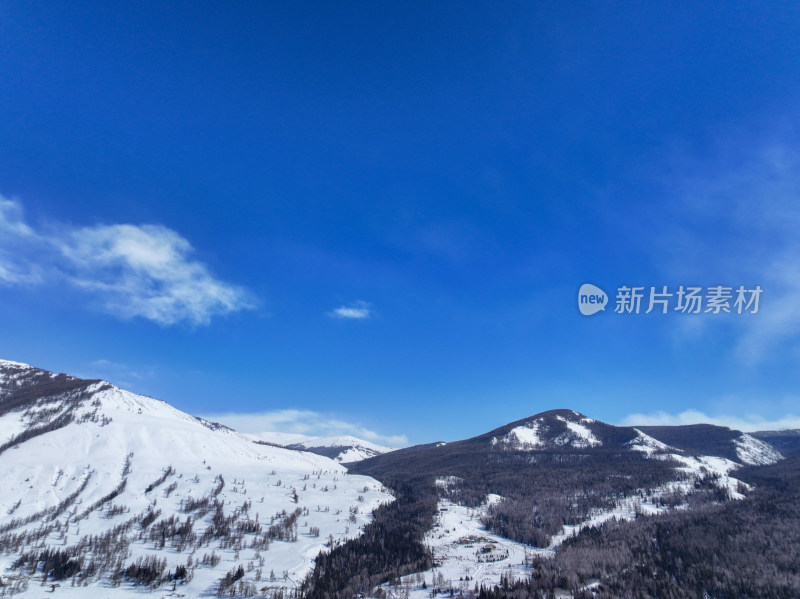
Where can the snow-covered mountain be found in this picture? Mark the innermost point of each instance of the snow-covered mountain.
(105, 491)
(568, 429)
(343, 448)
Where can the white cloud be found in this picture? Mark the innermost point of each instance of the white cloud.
(304, 422)
(748, 423)
(147, 271)
(357, 311)
(13, 274)
(131, 271)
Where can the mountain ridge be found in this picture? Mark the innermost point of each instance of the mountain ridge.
(341, 448)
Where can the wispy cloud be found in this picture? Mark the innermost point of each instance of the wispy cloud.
(733, 219)
(748, 424)
(12, 220)
(147, 271)
(304, 422)
(356, 311)
(18, 243)
(132, 270)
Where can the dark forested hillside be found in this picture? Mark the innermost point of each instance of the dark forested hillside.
(562, 486)
(786, 441)
(730, 550)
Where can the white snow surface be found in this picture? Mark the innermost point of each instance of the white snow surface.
(755, 452)
(12, 364)
(463, 547)
(522, 437)
(130, 439)
(533, 435)
(581, 436)
(10, 371)
(647, 444)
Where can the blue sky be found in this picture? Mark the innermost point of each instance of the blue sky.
(374, 218)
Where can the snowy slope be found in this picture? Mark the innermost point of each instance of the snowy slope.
(647, 444)
(466, 554)
(166, 485)
(755, 452)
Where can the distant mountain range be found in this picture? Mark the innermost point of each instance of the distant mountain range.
(785, 441)
(343, 448)
(569, 429)
(107, 493)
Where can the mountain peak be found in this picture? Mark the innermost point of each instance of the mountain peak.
(565, 413)
(12, 364)
(551, 429)
(343, 449)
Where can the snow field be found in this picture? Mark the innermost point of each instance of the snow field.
(466, 554)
